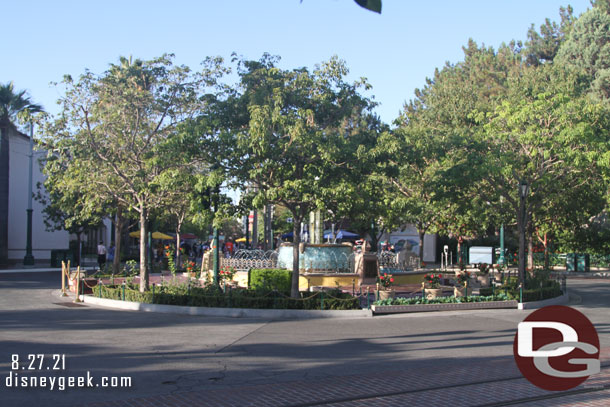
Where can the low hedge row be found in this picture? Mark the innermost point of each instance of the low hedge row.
(441, 300)
(238, 298)
(531, 294)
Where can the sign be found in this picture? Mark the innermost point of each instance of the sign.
(556, 348)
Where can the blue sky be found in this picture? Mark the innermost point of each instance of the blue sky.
(396, 51)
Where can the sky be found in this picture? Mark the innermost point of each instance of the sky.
(396, 51)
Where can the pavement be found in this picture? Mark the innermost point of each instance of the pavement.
(453, 358)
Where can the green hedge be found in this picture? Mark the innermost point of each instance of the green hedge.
(238, 298)
(270, 280)
(441, 300)
(531, 294)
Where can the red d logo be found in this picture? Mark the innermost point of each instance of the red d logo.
(556, 348)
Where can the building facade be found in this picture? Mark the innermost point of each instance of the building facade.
(15, 174)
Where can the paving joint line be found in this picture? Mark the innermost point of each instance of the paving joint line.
(507, 403)
(551, 396)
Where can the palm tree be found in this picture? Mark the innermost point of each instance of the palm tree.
(12, 104)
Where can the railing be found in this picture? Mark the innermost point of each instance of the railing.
(395, 262)
(250, 259)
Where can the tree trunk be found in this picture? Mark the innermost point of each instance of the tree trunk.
(546, 252)
(178, 257)
(422, 233)
(78, 248)
(118, 229)
(459, 259)
(143, 251)
(296, 240)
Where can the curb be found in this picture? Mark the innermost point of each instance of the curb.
(395, 309)
(29, 270)
(563, 299)
(227, 312)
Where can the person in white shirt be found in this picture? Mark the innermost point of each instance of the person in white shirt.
(101, 255)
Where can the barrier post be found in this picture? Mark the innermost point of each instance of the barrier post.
(423, 290)
(368, 297)
(123, 286)
(77, 299)
(322, 300)
(63, 279)
(99, 284)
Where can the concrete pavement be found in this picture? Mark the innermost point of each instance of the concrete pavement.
(194, 360)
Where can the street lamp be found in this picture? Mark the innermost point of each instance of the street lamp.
(523, 191)
(28, 260)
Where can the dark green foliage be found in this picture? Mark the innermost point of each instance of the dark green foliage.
(373, 5)
(270, 280)
(442, 300)
(238, 298)
(537, 288)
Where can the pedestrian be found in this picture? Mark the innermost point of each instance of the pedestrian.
(111, 250)
(101, 255)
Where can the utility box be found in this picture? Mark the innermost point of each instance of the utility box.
(481, 254)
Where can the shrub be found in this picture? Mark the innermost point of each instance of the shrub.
(211, 296)
(549, 289)
(441, 300)
(270, 280)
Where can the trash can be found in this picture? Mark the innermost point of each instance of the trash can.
(571, 262)
(582, 262)
(59, 255)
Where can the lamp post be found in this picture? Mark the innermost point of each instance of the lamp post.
(523, 191)
(502, 259)
(28, 260)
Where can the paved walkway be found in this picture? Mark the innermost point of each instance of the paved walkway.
(496, 383)
(437, 359)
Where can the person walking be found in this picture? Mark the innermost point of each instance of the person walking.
(101, 255)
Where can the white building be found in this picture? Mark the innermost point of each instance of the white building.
(43, 241)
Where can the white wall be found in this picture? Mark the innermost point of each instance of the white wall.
(410, 233)
(42, 241)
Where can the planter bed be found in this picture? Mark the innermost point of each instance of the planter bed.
(393, 309)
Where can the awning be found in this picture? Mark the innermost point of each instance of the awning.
(341, 234)
(155, 235)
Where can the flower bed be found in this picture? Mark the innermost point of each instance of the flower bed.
(400, 304)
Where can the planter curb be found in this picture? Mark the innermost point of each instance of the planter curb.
(226, 312)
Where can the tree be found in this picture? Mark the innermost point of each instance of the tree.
(433, 155)
(67, 196)
(587, 49)
(542, 48)
(544, 133)
(12, 105)
(123, 124)
(286, 135)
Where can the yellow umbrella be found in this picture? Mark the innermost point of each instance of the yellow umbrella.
(155, 235)
(240, 240)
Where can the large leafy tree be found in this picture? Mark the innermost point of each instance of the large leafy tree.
(123, 124)
(288, 135)
(67, 196)
(546, 134)
(433, 154)
(12, 104)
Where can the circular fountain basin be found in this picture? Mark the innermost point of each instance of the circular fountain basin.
(317, 258)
